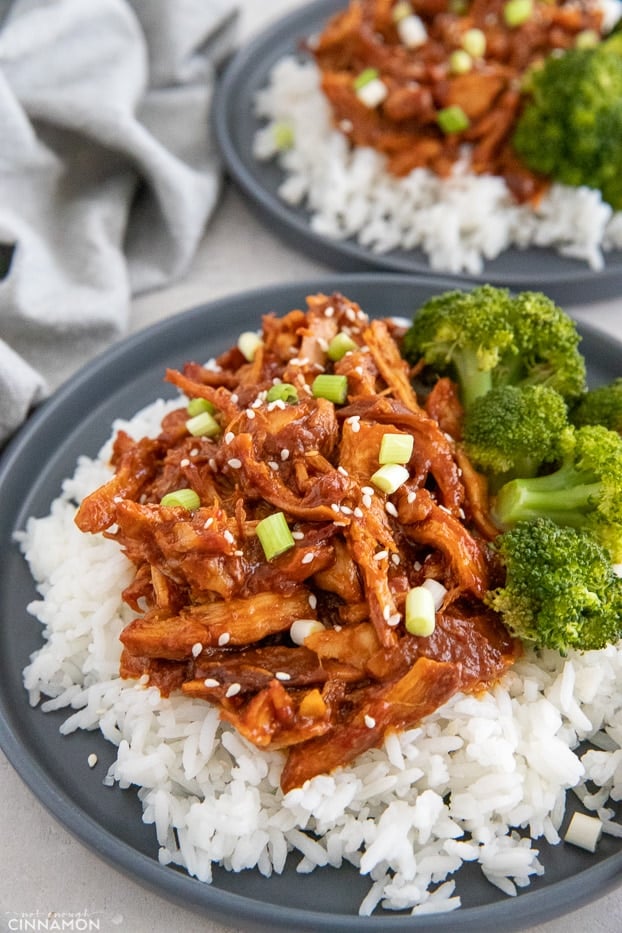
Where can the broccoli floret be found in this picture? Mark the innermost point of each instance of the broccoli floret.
(602, 405)
(560, 589)
(571, 125)
(487, 337)
(585, 491)
(513, 430)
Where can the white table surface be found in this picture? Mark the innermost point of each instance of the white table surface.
(43, 870)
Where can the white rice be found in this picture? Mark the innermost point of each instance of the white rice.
(456, 789)
(458, 223)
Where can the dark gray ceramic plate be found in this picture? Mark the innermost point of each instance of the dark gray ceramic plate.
(77, 420)
(235, 123)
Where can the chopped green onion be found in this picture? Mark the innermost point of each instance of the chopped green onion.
(283, 135)
(419, 615)
(460, 62)
(517, 12)
(474, 42)
(365, 77)
(458, 7)
(401, 11)
(331, 387)
(182, 498)
(390, 477)
(341, 344)
(248, 343)
(274, 534)
(587, 39)
(452, 119)
(197, 405)
(584, 831)
(203, 425)
(396, 448)
(282, 392)
(412, 31)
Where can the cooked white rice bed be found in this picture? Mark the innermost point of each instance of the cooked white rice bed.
(408, 815)
(459, 222)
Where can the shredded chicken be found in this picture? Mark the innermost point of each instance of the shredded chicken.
(419, 81)
(215, 617)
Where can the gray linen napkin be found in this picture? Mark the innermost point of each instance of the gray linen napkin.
(107, 171)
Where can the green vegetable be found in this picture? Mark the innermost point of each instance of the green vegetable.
(283, 392)
(181, 498)
(486, 337)
(396, 448)
(571, 125)
(197, 405)
(390, 477)
(513, 430)
(203, 425)
(365, 77)
(330, 386)
(460, 62)
(560, 590)
(248, 344)
(585, 491)
(283, 135)
(420, 613)
(274, 534)
(602, 405)
(474, 42)
(517, 12)
(341, 344)
(452, 119)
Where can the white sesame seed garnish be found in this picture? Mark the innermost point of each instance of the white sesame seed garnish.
(358, 513)
(92, 760)
(298, 535)
(410, 498)
(285, 454)
(381, 555)
(343, 471)
(367, 490)
(396, 559)
(307, 559)
(229, 436)
(212, 464)
(370, 722)
(233, 690)
(250, 414)
(394, 619)
(390, 508)
(313, 600)
(356, 427)
(208, 522)
(194, 452)
(234, 463)
(228, 536)
(346, 510)
(329, 311)
(197, 648)
(210, 682)
(238, 553)
(367, 501)
(335, 507)
(273, 465)
(235, 398)
(224, 639)
(184, 463)
(283, 675)
(143, 680)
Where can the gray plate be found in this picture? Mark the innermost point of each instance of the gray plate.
(77, 421)
(566, 280)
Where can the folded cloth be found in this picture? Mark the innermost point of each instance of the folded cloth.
(108, 174)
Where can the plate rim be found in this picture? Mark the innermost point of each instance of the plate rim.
(223, 904)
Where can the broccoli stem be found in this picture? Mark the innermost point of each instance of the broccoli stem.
(474, 381)
(566, 497)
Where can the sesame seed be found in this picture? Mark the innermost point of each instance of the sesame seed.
(394, 619)
(194, 452)
(329, 311)
(250, 414)
(390, 508)
(381, 555)
(184, 463)
(323, 343)
(307, 558)
(228, 536)
(143, 680)
(209, 521)
(346, 510)
(386, 613)
(235, 398)
(224, 639)
(370, 722)
(212, 464)
(233, 690)
(258, 402)
(343, 471)
(335, 507)
(283, 675)
(238, 553)
(197, 648)
(285, 454)
(356, 427)
(92, 760)
(210, 682)
(410, 498)
(396, 559)
(297, 535)
(359, 512)
(312, 600)
(367, 490)
(273, 465)
(234, 463)
(229, 436)
(367, 501)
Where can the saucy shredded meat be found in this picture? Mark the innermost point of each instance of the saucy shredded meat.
(219, 620)
(419, 79)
